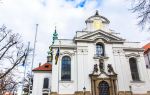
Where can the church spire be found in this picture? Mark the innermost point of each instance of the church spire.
(50, 52)
(55, 36)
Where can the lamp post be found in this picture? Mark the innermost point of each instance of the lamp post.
(84, 89)
(130, 89)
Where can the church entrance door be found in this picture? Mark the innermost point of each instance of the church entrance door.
(103, 88)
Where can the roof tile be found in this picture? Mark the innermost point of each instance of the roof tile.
(146, 47)
(44, 67)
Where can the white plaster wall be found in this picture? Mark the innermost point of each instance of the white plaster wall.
(148, 72)
(63, 87)
(54, 73)
(38, 80)
(124, 73)
(146, 59)
(82, 63)
(67, 86)
(119, 69)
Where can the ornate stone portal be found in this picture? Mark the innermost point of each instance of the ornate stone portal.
(103, 83)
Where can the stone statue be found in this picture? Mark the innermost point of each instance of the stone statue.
(110, 69)
(101, 65)
(95, 68)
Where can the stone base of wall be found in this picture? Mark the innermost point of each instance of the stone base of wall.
(148, 92)
(53, 93)
(121, 93)
(130, 93)
(82, 93)
(78, 93)
(88, 93)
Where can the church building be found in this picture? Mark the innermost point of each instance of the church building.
(97, 61)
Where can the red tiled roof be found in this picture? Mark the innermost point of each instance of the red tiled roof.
(44, 67)
(146, 47)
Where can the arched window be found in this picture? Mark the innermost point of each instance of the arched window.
(134, 69)
(99, 49)
(46, 83)
(66, 69)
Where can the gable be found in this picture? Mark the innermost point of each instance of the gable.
(93, 36)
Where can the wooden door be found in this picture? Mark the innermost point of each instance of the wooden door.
(104, 88)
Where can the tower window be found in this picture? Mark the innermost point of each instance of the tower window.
(99, 49)
(134, 69)
(66, 69)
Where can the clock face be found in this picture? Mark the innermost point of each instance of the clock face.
(97, 24)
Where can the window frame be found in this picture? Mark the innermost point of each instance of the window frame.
(46, 84)
(45, 93)
(62, 71)
(98, 51)
(136, 69)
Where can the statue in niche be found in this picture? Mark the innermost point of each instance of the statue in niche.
(101, 65)
(110, 69)
(95, 68)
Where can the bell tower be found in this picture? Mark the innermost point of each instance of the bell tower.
(96, 22)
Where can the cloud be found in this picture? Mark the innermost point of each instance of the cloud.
(22, 15)
(68, 15)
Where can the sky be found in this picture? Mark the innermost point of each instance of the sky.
(21, 16)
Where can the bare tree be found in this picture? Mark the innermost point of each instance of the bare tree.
(142, 8)
(12, 50)
(8, 84)
(27, 84)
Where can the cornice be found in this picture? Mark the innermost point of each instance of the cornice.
(134, 49)
(132, 54)
(64, 46)
(94, 40)
(102, 32)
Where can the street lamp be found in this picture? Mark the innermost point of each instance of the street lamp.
(130, 89)
(84, 89)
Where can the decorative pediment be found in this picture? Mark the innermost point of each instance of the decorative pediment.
(103, 75)
(132, 55)
(67, 53)
(100, 72)
(99, 34)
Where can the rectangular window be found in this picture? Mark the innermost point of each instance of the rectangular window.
(45, 93)
(134, 69)
(46, 83)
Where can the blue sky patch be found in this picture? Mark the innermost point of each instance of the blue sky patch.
(44, 2)
(81, 4)
(70, 0)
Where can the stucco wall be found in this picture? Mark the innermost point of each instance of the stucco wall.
(38, 80)
(82, 65)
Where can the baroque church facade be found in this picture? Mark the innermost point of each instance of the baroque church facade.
(95, 62)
